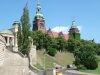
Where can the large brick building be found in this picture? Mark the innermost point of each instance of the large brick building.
(39, 24)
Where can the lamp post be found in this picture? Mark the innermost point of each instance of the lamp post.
(44, 64)
(44, 59)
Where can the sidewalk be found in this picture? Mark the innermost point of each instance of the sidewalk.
(78, 72)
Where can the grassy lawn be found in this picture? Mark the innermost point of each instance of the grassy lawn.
(61, 58)
(64, 58)
(97, 71)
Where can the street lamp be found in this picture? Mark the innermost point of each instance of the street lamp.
(44, 63)
(44, 59)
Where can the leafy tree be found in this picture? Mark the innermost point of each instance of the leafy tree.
(86, 56)
(38, 38)
(97, 48)
(66, 46)
(91, 43)
(84, 53)
(60, 43)
(73, 45)
(87, 42)
(46, 41)
(51, 51)
(25, 46)
(53, 43)
(43, 40)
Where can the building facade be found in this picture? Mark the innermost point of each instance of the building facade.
(39, 21)
(39, 25)
(10, 35)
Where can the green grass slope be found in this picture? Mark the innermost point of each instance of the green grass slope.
(61, 58)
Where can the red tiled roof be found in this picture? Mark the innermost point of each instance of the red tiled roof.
(56, 34)
(66, 36)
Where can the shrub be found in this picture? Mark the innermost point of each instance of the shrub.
(86, 56)
(82, 67)
(91, 65)
(51, 51)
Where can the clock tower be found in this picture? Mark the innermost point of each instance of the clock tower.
(74, 32)
(39, 21)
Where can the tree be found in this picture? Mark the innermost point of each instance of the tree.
(38, 39)
(73, 45)
(19, 37)
(60, 43)
(97, 48)
(51, 51)
(86, 56)
(25, 42)
(46, 41)
(91, 43)
(43, 40)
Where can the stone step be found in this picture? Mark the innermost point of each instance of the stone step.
(14, 71)
(15, 59)
(1, 57)
(14, 64)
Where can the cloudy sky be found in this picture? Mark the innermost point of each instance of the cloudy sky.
(58, 14)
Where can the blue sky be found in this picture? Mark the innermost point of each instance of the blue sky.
(86, 13)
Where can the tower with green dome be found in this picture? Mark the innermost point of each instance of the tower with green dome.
(74, 31)
(39, 21)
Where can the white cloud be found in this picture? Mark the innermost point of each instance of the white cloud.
(63, 29)
(80, 28)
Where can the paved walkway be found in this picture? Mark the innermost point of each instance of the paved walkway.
(78, 72)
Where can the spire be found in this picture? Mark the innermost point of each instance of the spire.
(73, 24)
(38, 2)
(38, 11)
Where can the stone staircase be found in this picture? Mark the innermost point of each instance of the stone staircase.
(1, 54)
(14, 64)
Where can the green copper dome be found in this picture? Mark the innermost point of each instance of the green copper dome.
(73, 25)
(38, 11)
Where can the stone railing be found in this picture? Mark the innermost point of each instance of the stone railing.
(22, 55)
(33, 68)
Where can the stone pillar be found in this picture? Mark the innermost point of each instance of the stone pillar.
(7, 41)
(15, 48)
(15, 39)
(33, 55)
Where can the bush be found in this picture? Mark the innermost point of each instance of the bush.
(51, 51)
(82, 67)
(86, 56)
(91, 65)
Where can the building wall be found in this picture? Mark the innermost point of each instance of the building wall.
(2, 50)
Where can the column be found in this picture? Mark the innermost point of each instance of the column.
(12, 41)
(15, 48)
(15, 39)
(7, 41)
